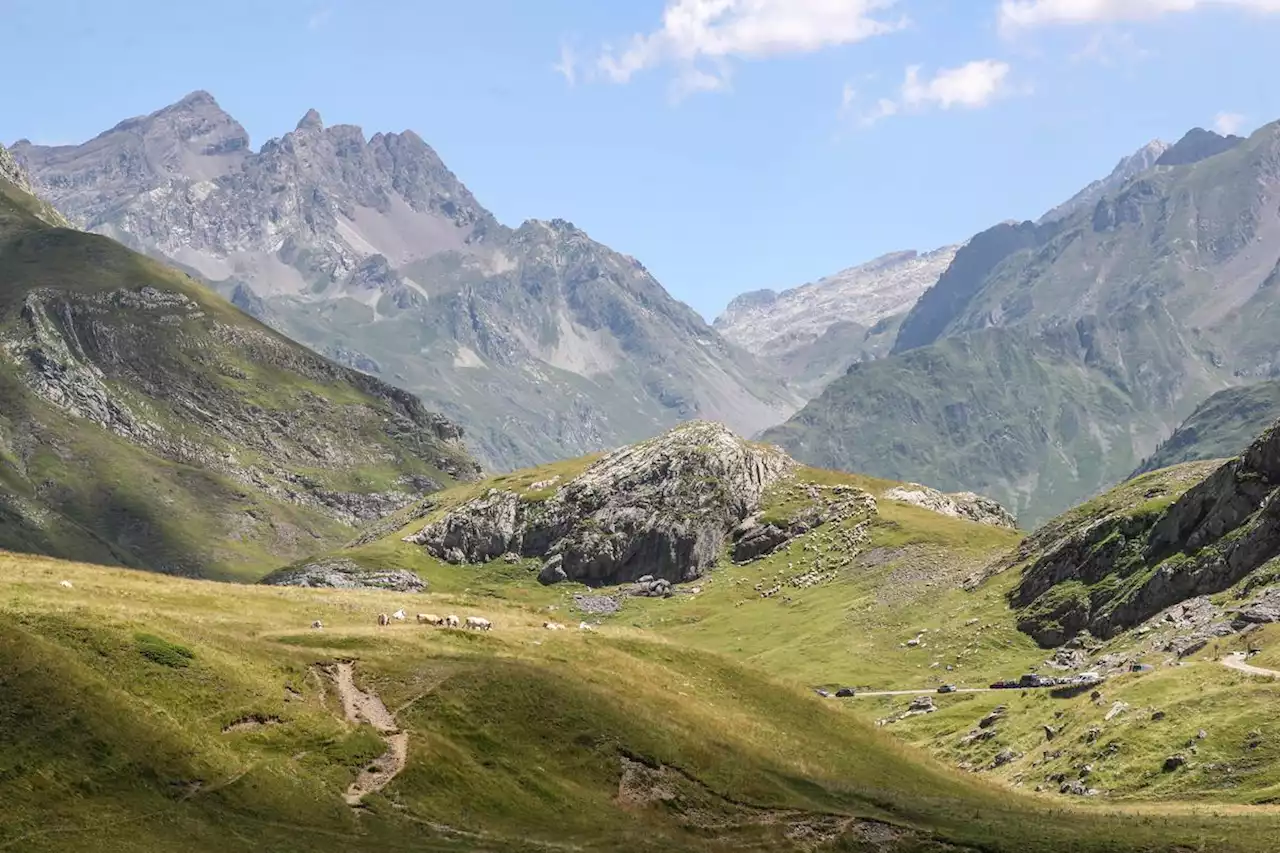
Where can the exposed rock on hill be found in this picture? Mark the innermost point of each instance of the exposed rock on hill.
(341, 573)
(1108, 571)
(664, 507)
(543, 343)
(148, 423)
(968, 505)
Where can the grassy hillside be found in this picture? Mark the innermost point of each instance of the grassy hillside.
(129, 704)
(1221, 426)
(148, 423)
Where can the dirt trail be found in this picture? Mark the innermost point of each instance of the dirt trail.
(1236, 661)
(359, 707)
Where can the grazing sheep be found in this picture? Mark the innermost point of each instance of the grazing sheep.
(384, 619)
(452, 621)
(583, 626)
(65, 584)
(430, 619)
(553, 626)
(317, 624)
(398, 615)
(479, 623)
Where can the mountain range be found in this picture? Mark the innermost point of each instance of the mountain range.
(1051, 359)
(540, 341)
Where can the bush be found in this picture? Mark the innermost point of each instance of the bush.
(163, 652)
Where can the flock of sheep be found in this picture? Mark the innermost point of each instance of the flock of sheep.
(474, 623)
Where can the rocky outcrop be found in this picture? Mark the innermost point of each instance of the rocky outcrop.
(342, 573)
(664, 508)
(965, 505)
(12, 172)
(1111, 573)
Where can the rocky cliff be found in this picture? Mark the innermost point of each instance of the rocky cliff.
(1175, 534)
(543, 343)
(252, 450)
(1128, 167)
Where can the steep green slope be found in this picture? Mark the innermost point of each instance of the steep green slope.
(1035, 423)
(1221, 426)
(145, 422)
(142, 713)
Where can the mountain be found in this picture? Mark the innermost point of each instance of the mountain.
(815, 331)
(1156, 297)
(146, 422)
(1198, 144)
(1129, 167)
(1223, 425)
(540, 341)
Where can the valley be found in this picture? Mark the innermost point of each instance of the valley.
(338, 515)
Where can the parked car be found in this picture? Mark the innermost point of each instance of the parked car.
(846, 692)
(947, 688)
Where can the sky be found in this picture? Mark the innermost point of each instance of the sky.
(730, 145)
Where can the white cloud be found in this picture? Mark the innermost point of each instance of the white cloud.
(1228, 124)
(567, 65)
(1026, 14)
(848, 95)
(969, 86)
(695, 33)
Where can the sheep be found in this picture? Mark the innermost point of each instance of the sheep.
(452, 621)
(553, 626)
(384, 619)
(583, 626)
(479, 623)
(65, 584)
(317, 624)
(398, 615)
(430, 619)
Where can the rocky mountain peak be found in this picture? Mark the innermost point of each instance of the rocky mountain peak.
(1129, 167)
(1198, 144)
(310, 121)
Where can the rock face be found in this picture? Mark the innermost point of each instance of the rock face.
(817, 330)
(255, 450)
(663, 508)
(967, 505)
(1220, 427)
(1110, 572)
(340, 573)
(541, 342)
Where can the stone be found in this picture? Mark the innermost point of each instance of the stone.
(1116, 710)
(1005, 756)
(1049, 732)
(957, 505)
(997, 713)
(1173, 762)
(552, 571)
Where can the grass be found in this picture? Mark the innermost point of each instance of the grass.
(516, 736)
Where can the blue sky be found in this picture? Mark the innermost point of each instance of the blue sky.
(728, 144)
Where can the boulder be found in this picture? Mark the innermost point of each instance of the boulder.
(552, 571)
(1005, 756)
(1173, 762)
(997, 714)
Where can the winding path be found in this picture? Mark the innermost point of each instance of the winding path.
(1236, 661)
(360, 706)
